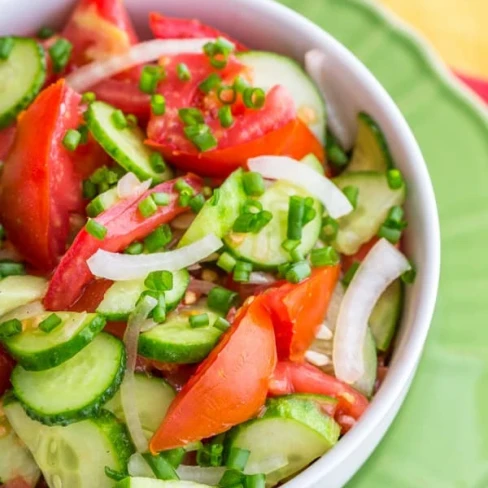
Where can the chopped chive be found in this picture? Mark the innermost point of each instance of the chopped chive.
(254, 98)
(409, 276)
(210, 83)
(83, 130)
(184, 199)
(60, 53)
(71, 139)
(207, 191)
(282, 269)
(215, 197)
(182, 185)
(147, 207)
(161, 467)
(395, 217)
(308, 214)
(95, 207)
(11, 268)
(218, 60)
(99, 175)
(225, 116)
(158, 238)
(158, 104)
(290, 244)
(255, 481)
(330, 228)
(226, 262)
(351, 193)
(160, 198)
(2, 232)
(298, 272)
(252, 206)
(45, 33)
(244, 223)
(240, 84)
(118, 119)
(262, 219)
(335, 154)
(159, 281)
(325, 256)
(349, 274)
(242, 271)
(221, 300)
(88, 97)
(237, 458)
(157, 162)
(50, 323)
(114, 475)
(390, 233)
(150, 77)
(174, 456)
(297, 255)
(159, 312)
(201, 137)
(200, 320)
(212, 453)
(395, 179)
(224, 45)
(221, 324)
(191, 116)
(183, 72)
(227, 94)
(111, 177)
(232, 478)
(97, 230)
(196, 203)
(132, 120)
(10, 328)
(296, 210)
(134, 248)
(253, 184)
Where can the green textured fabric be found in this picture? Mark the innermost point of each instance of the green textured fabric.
(440, 437)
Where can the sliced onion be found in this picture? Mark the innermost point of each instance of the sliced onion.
(121, 267)
(144, 52)
(288, 169)
(324, 333)
(130, 186)
(317, 358)
(201, 286)
(138, 467)
(127, 389)
(335, 306)
(206, 476)
(25, 312)
(267, 465)
(320, 70)
(261, 278)
(383, 264)
(183, 221)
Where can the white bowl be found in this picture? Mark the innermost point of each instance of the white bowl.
(264, 24)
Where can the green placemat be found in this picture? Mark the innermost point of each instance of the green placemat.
(440, 437)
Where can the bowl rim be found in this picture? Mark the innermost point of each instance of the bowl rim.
(400, 375)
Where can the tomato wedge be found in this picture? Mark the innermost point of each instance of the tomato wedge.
(7, 137)
(290, 377)
(124, 224)
(298, 310)
(39, 187)
(164, 27)
(98, 29)
(228, 388)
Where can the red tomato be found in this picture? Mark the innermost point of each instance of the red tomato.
(298, 310)
(99, 29)
(91, 296)
(6, 366)
(229, 387)
(17, 483)
(172, 28)
(291, 377)
(301, 142)
(124, 224)
(39, 186)
(7, 137)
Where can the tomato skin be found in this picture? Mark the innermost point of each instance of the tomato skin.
(298, 310)
(301, 142)
(91, 296)
(229, 387)
(7, 137)
(17, 483)
(39, 187)
(6, 366)
(124, 224)
(98, 29)
(290, 377)
(164, 27)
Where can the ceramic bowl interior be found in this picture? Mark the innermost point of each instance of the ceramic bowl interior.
(264, 24)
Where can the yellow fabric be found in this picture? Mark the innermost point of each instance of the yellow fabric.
(458, 29)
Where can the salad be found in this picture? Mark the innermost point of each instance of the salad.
(201, 268)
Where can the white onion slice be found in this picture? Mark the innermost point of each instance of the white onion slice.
(130, 186)
(25, 312)
(261, 278)
(317, 358)
(383, 264)
(207, 476)
(288, 169)
(127, 388)
(138, 467)
(335, 306)
(122, 267)
(320, 69)
(144, 52)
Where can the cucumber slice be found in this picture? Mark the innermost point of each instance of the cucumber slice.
(366, 383)
(121, 298)
(153, 397)
(15, 459)
(374, 201)
(102, 202)
(21, 78)
(300, 432)
(36, 350)
(176, 341)
(16, 291)
(371, 151)
(76, 389)
(152, 483)
(126, 146)
(312, 161)
(264, 248)
(270, 69)
(74, 456)
(218, 216)
(386, 313)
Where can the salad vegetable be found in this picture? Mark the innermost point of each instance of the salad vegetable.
(200, 268)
